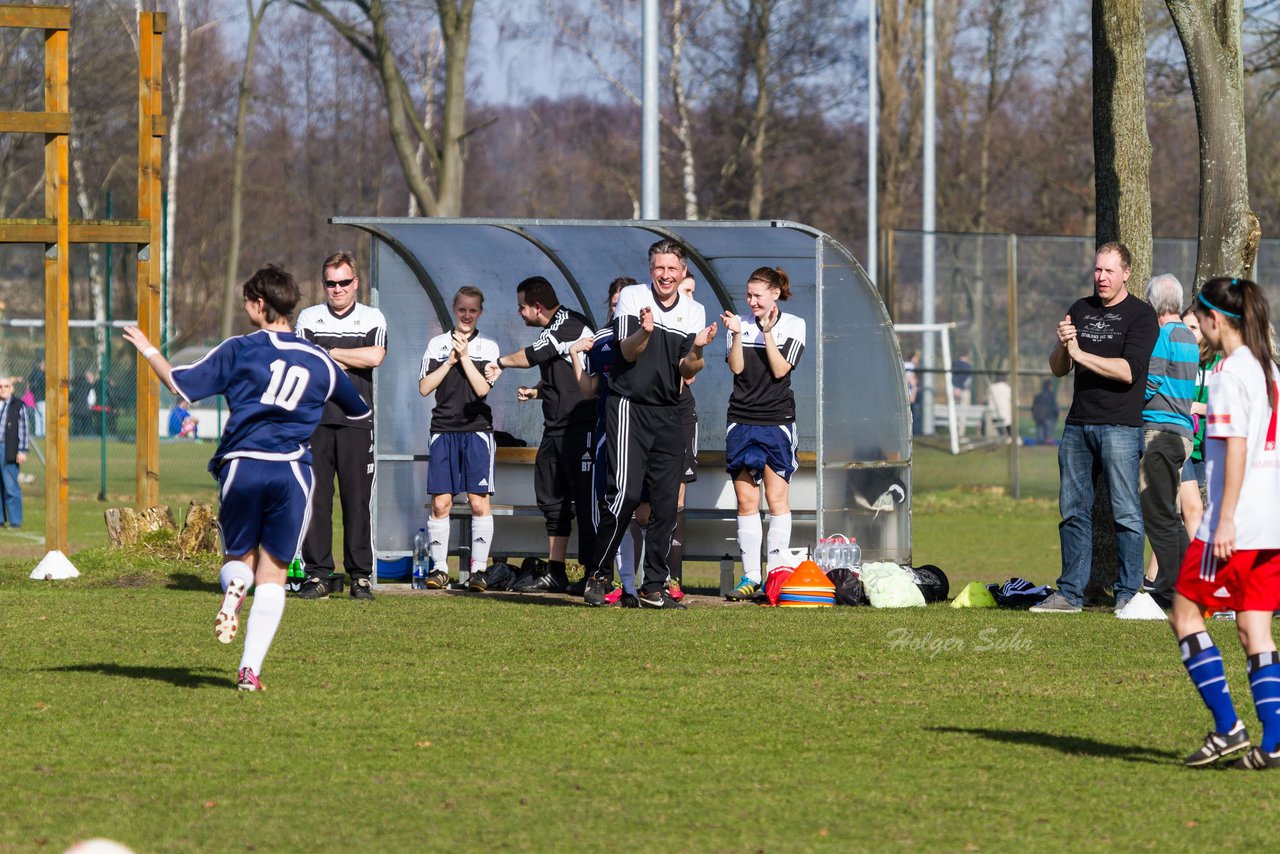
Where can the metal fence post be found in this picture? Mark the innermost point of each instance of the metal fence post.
(1011, 262)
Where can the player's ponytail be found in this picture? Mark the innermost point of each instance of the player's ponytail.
(1241, 304)
(774, 277)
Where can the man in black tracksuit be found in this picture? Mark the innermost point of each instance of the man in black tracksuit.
(562, 468)
(660, 335)
(355, 335)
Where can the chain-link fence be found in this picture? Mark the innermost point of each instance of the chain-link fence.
(976, 276)
(103, 397)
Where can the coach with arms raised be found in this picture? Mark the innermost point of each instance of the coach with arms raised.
(355, 336)
(1107, 338)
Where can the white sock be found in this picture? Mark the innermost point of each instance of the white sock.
(260, 628)
(233, 569)
(438, 534)
(750, 535)
(481, 539)
(779, 538)
(627, 562)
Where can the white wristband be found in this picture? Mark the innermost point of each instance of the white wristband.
(149, 352)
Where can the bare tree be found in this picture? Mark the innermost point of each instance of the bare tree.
(235, 213)
(371, 38)
(1212, 36)
(178, 98)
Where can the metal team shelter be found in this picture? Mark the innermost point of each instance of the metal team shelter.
(851, 408)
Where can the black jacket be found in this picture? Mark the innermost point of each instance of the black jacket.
(17, 410)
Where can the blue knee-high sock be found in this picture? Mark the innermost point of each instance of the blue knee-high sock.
(1264, 679)
(1204, 666)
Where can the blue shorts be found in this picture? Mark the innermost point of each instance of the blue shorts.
(460, 462)
(264, 503)
(751, 447)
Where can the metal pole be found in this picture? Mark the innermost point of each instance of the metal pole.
(928, 214)
(873, 138)
(1015, 488)
(164, 274)
(649, 207)
(102, 379)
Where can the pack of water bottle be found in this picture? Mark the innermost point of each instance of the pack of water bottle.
(421, 559)
(838, 552)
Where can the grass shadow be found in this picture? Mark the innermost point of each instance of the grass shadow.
(181, 677)
(1070, 744)
(191, 581)
(510, 597)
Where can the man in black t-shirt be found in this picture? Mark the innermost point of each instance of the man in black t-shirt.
(562, 468)
(1108, 339)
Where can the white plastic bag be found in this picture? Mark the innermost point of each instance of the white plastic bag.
(890, 586)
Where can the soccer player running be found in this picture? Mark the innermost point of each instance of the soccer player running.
(276, 386)
(461, 448)
(660, 337)
(760, 441)
(1234, 561)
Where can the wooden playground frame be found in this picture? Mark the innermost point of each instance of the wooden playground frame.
(57, 231)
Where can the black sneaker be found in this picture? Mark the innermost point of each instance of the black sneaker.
(313, 588)
(577, 588)
(1257, 760)
(594, 591)
(626, 600)
(548, 581)
(1218, 746)
(660, 599)
(361, 589)
(478, 582)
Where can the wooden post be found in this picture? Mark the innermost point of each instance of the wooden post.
(151, 128)
(57, 290)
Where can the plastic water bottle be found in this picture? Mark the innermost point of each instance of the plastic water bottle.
(853, 555)
(421, 560)
(818, 554)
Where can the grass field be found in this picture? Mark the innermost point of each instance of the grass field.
(461, 722)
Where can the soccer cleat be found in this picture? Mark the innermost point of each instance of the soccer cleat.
(249, 681)
(478, 582)
(627, 600)
(227, 623)
(1218, 746)
(674, 590)
(595, 591)
(313, 588)
(1055, 604)
(1257, 760)
(614, 596)
(745, 590)
(548, 581)
(361, 589)
(659, 599)
(437, 580)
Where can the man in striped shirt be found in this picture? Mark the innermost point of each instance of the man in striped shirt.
(1167, 432)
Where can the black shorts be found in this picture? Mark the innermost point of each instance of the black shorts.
(562, 480)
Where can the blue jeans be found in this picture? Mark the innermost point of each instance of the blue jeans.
(10, 491)
(1086, 450)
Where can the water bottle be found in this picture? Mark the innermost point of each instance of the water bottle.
(853, 555)
(421, 560)
(819, 554)
(294, 576)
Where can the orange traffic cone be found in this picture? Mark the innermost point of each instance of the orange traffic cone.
(808, 587)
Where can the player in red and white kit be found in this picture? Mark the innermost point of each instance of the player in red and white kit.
(1234, 562)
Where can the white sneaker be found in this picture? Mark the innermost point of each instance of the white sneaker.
(227, 623)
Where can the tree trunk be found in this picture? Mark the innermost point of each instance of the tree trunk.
(1121, 146)
(1122, 164)
(173, 144)
(235, 214)
(684, 126)
(1211, 32)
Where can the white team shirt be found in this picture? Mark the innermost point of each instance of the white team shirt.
(1238, 407)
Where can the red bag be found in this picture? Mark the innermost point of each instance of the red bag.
(773, 583)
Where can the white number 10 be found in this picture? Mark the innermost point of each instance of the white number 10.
(286, 387)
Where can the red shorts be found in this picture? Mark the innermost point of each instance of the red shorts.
(1249, 581)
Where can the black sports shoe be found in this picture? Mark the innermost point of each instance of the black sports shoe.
(660, 599)
(478, 582)
(547, 581)
(1257, 760)
(361, 589)
(595, 590)
(626, 600)
(313, 588)
(577, 588)
(1218, 746)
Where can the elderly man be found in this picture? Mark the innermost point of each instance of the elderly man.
(1167, 432)
(355, 336)
(1107, 338)
(13, 452)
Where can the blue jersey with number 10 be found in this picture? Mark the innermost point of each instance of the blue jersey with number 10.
(276, 386)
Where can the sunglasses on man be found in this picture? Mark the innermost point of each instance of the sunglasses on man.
(338, 283)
